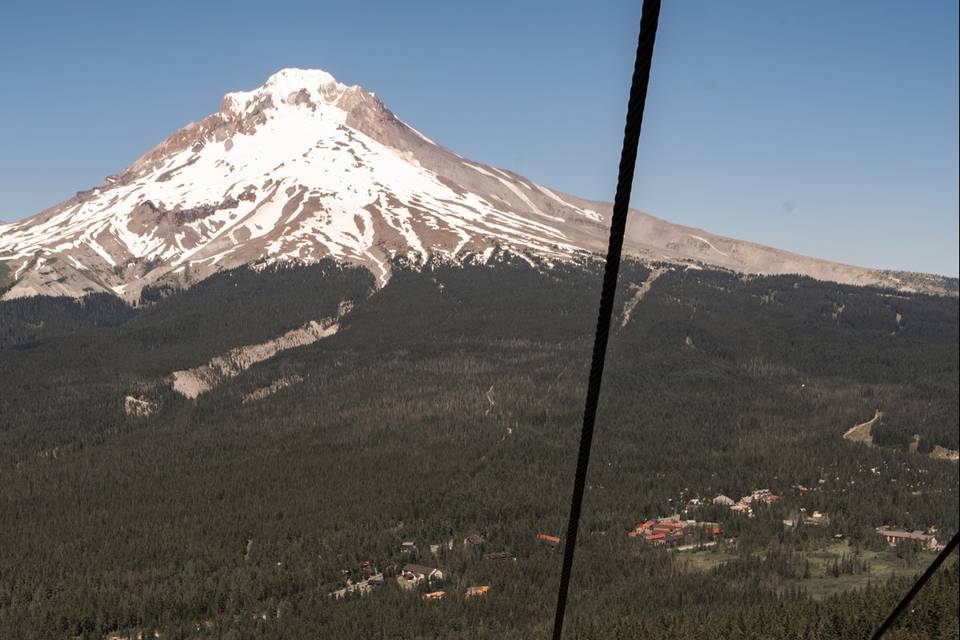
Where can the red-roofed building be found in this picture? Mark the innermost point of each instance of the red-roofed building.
(551, 541)
(673, 531)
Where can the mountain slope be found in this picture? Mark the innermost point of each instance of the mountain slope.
(447, 405)
(304, 168)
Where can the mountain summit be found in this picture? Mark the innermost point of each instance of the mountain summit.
(305, 167)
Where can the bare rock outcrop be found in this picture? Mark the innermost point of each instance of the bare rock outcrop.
(267, 391)
(138, 407)
(191, 383)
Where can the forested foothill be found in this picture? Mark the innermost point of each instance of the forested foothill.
(446, 412)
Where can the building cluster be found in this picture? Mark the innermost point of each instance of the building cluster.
(815, 519)
(747, 503)
(926, 539)
(412, 575)
(674, 532)
(373, 581)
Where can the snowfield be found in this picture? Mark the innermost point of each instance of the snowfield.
(305, 167)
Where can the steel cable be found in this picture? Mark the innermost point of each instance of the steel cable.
(649, 20)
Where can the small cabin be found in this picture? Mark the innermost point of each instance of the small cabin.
(551, 541)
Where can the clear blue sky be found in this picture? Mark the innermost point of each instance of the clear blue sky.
(827, 128)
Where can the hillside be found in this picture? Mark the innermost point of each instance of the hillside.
(447, 405)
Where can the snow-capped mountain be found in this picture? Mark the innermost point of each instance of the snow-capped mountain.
(306, 167)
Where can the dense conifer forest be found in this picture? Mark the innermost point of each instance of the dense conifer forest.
(448, 405)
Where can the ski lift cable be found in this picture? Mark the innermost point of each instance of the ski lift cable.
(915, 589)
(649, 22)
(649, 19)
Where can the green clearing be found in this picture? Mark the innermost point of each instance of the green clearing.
(706, 559)
(883, 565)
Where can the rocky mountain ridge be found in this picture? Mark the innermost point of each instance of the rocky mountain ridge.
(305, 167)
